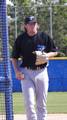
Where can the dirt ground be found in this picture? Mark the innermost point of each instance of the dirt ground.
(50, 117)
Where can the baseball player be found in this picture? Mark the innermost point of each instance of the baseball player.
(34, 48)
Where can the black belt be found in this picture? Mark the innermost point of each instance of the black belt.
(37, 67)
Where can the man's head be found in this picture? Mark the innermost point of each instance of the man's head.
(31, 25)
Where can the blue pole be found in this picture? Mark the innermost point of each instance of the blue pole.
(6, 61)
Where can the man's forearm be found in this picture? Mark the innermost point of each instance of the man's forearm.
(52, 54)
(15, 64)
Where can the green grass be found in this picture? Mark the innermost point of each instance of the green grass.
(18, 103)
(56, 102)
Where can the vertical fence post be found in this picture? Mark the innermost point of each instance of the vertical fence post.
(6, 61)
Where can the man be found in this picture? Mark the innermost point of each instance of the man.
(35, 48)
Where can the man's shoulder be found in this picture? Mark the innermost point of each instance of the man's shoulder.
(43, 35)
(20, 36)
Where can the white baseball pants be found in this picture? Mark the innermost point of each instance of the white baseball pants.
(35, 88)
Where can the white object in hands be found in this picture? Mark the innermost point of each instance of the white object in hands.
(41, 58)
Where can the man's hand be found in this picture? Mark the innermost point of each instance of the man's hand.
(19, 75)
(60, 54)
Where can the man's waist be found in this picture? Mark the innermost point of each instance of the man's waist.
(35, 67)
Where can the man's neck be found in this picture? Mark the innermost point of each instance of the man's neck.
(31, 34)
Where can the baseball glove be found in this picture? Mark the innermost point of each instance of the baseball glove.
(41, 57)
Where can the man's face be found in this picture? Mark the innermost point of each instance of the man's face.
(31, 27)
